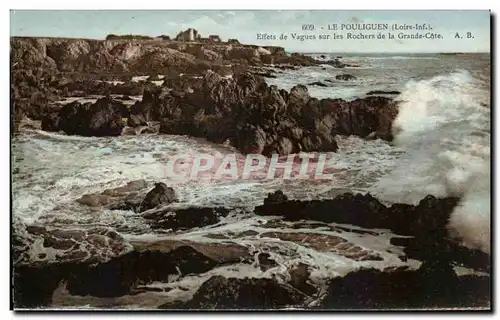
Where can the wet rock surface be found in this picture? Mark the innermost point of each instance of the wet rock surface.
(219, 292)
(126, 197)
(258, 118)
(46, 69)
(318, 83)
(34, 285)
(377, 92)
(430, 216)
(426, 223)
(186, 218)
(161, 194)
(432, 286)
(233, 104)
(276, 197)
(133, 196)
(103, 118)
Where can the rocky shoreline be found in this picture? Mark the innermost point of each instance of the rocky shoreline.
(433, 284)
(226, 99)
(217, 91)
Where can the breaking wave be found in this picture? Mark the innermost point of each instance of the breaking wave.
(444, 127)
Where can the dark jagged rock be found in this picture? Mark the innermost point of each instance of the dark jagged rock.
(187, 218)
(118, 276)
(430, 215)
(275, 197)
(127, 197)
(430, 248)
(296, 59)
(372, 114)
(50, 121)
(376, 92)
(103, 118)
(425, 222)
(318, 83)
(257, 118)
(82, 87)
(299, 277)
(161, 194)
(136, 120)
(265, 261)
(345, 77)
(135, 55)
(31, 91)
(34, 285)
(431, 286)
(336, 63)
(219, 292)
(16, 116)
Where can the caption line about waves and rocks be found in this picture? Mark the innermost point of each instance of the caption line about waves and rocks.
(363, 31)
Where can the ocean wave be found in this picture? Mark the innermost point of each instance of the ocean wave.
(444, 127)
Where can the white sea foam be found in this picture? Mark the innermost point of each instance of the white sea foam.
(444, 127)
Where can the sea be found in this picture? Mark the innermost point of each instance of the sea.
(441, 147)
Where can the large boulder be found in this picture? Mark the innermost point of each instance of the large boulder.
(103, 118)
(430, 216)
(161, 194)
(425, 222)
(429, 287)
(126, 197)
(257, 118)
(50, 121)
(136, 120)
(221, 293)
(34, 285)
(185, 218)
(373, 114)
(275, 197)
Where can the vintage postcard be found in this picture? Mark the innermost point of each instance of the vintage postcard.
(250, 160)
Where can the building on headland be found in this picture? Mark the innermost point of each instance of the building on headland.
(188, 35)
(163, 37)
(191, 34)
(214, 38)
(233, 41)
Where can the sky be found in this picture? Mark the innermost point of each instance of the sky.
(245, 25)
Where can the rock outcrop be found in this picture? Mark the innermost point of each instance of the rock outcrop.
(46, 69)
(185, 218)
(378, 92)
(431, 286)
(34, 285)
(161, 194)
(138, 55)
(32, 91)
(103, 118)
(257, 118)
(317, 83)
(222, 293)
(430, 216)
(426, 223)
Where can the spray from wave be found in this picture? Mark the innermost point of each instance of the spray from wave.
(444, 127)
